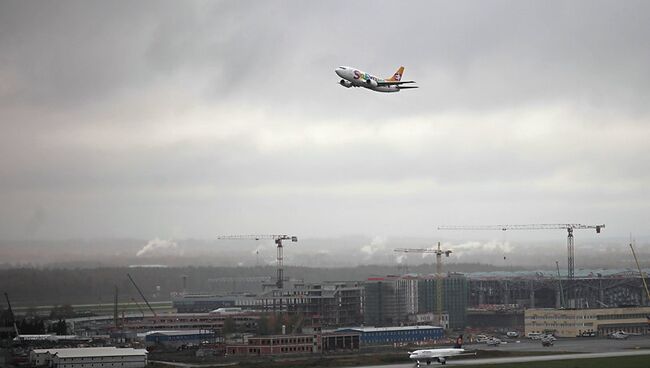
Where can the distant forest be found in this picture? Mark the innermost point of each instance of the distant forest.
(48, 286)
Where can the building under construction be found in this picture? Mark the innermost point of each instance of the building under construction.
(385, 302)
(331, 303)
(394, 300)
(547, 291)
(455, 289)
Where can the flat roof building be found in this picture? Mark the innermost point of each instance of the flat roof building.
(393, 335)
(573, 322)
(179, 338)
(106, 357)
(275, 345)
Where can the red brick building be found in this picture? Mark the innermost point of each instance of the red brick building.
(276, 345)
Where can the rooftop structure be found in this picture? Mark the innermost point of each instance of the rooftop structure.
(85, 357)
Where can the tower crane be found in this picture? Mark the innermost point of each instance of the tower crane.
(142, 295)
(568, 227)
(12, 316)
(278, 239)
(641, 273)
(438, 252)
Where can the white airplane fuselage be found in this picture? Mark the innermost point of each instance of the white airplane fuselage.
(434, 355)
(352, 77)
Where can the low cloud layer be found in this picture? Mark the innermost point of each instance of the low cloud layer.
(191, 119)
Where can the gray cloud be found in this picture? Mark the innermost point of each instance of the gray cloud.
(187, 119)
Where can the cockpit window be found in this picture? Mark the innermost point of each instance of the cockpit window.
(342, 67)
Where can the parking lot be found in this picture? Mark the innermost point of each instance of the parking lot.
(578, 345)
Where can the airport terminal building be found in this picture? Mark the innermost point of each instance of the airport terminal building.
(573, 322)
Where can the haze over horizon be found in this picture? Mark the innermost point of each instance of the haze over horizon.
(185, 120)
(349, 251)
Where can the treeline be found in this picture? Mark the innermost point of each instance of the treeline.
(36, 286)
(34, 324)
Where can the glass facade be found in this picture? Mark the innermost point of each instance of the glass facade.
(454, 298)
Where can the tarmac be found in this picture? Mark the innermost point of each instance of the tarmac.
(574, 348)
(570, 348)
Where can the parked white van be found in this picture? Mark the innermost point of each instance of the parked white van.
(534, 335)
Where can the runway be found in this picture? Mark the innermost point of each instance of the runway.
(544, 358)
(539, 358)
(576, 349)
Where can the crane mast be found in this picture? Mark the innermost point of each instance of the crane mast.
(645, 284)
(568, 227)
(11, 314)
(142, 295)
(278, 239)
(438, 252)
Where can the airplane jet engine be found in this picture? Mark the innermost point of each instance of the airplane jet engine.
(371, 82)
(345, 83)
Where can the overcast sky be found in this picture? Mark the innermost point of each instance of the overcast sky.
(190, 119)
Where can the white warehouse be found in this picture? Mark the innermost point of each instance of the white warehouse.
(104, 357)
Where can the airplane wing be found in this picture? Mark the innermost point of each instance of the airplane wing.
(465, 354)
(393, 83)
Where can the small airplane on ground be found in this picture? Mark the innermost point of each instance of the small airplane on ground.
(353, 77)
(621, 335)
(439, 355)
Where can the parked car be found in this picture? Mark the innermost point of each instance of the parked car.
(547, 342)
(493, 342)
(481, 338)
(548, 337)
(512, 334)
(586, 334)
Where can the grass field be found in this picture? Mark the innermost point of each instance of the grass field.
(642, 361)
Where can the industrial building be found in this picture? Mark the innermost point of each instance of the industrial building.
(245, 321)
(89, 357)
(275, 345)
(173, 339)
(543, 290)
(203, 303)
(573, 322)
(340, 341)
(395, 335)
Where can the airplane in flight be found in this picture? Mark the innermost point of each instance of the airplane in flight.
(439, 355)
(353, 77)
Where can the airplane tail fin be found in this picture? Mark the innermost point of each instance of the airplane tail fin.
(398, 75)
(459, 342)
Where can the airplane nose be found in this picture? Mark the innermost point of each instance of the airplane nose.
(339, 72)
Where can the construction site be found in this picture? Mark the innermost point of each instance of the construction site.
(291, 317)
